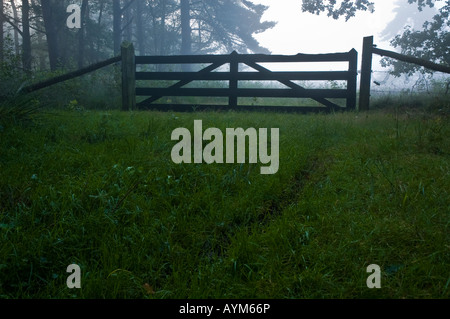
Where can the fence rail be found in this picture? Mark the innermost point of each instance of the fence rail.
(243, 58)
(71, 75)
(366, 68)
(244, 76)
(234, 91)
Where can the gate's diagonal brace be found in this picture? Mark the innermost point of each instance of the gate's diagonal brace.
(182, 83)
(293, 86)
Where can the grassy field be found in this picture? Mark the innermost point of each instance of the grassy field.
(99, 189)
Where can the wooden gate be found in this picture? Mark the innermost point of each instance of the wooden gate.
(233, 91)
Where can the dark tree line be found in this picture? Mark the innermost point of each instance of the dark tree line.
(37, 29)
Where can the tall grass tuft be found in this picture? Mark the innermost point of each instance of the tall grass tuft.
(19, 109)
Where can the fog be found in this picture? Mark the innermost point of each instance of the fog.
(300, 32)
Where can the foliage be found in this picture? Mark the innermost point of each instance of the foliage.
(154, 27)
(344, 8)
(226, 32)
(432, 43)
(18, 109)
(11, 75)
(349, 8)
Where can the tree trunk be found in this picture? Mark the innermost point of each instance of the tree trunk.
(81, 38)
(51, 33)
(129, 24)
(186, 41)
(117, 26)
(100, 15)
(26, 36)
(140, 33)
(41, 55)
(99, 22)
(16, 32)
(1, 33)
(162, 49)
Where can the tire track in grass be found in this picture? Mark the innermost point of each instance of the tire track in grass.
(291, 193)
(272, 208)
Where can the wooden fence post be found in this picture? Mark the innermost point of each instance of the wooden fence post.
(352, 80)
(234, 70)
(366, 74)
(128, 77)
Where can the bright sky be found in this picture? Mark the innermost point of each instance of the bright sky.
(301, 32)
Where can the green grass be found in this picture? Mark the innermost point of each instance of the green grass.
(99, 189)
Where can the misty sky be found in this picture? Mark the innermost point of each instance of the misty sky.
(299, 32)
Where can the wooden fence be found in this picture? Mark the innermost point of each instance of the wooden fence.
(233, 92)
(233, 76)
(366, 68)
(69, 76)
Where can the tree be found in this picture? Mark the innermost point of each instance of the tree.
(117, 26)
(346, 8)
(1, 32)
(406, 14)
(26, 36)
(24, 33)
(16, 29)
(228, 25)
(140, 33)
(118, 12)
(81, 33)
(432, 43)
(58, 38)
(159, 27)
(186, 41)
(163, 27)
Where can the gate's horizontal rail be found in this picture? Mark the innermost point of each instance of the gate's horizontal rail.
(244, 76)
(243, 58)
(248, 108)
(287, 93)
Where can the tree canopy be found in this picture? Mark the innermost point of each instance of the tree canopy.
(38, 30)
(431, 43)
(229, 25)
(35, 29)
(345, 8)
